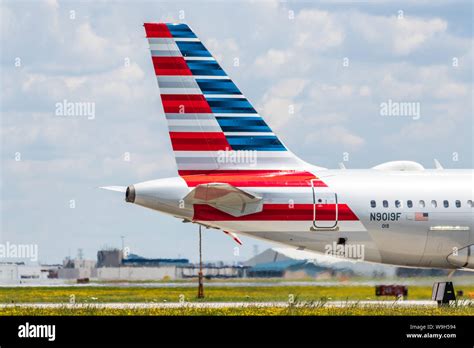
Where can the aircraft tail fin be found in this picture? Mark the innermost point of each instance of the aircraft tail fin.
(212, 125)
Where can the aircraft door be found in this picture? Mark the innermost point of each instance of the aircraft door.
(325, 208)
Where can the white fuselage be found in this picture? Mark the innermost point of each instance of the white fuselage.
(435, 230)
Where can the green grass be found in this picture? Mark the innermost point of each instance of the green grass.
(243, 311)
(216, 293)
(312, 295)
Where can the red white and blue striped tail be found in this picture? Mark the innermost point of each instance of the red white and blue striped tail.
(212, 126)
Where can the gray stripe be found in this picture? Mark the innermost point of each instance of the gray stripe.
(164, 47)
(177, 84)
(195, 128)
(284, 198)
(156, 40)
(259, 161)
(168, 78)
(170, 116)
(168, 53)
(180, 91)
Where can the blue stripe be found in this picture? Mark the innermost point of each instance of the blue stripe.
(230, 105)
(193, 49)
(243, 124)
(258, 143)
(217, 86)
(205, 68)
(180, 31)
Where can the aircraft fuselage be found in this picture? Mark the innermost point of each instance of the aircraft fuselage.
(417, 219)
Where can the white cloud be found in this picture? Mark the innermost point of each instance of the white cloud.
(365, 91)
(423, 131)
(409, 34)
(309, 33)
(393, 87)
(318, 30)
(279, 111)
(452, 90)
(88, 42)
(335, 135)
(223, 49)
(278, 104)
(272, 61)
(288, 88)
(400, 35)
(325, 92)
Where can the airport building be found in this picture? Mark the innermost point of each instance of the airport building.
(112, 265)
(19, 272)
(77, 269)
(287, 263)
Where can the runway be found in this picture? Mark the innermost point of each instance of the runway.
(55, 283)
(164, 305)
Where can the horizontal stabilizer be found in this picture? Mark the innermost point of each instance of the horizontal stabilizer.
(226, 198)
(115, 188)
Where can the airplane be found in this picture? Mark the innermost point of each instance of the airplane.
(235, 174)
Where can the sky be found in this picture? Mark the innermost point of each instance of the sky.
(333, 64)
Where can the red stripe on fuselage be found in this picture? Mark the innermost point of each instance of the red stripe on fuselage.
(279, 212)
(232, 171)
(157, 30)
(185, 104)
(194, 141)
(254, 178)
(170, 66)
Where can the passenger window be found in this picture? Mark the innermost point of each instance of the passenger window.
(458, 203)
(446, 204)
(421, 203)
(434, 204)
(385, 204)
(409, 204)
(469, 203)
(398, 203)
(373, 204)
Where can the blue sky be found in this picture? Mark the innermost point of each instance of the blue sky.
(290, 53)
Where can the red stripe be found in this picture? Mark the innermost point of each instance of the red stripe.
(178, 103)
(170, 66)
(157, 30)
(193, 141)
(279, 212)
(232, 171)
(255, 178)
